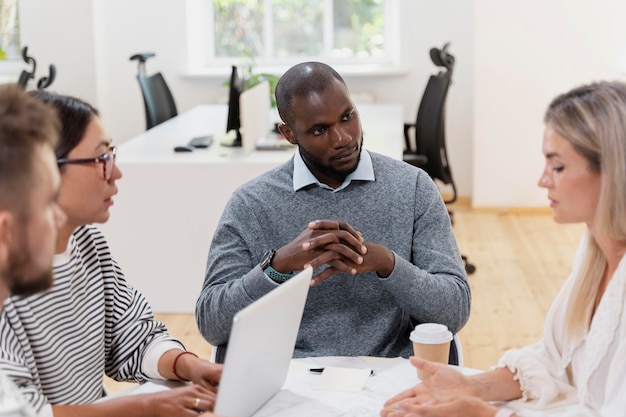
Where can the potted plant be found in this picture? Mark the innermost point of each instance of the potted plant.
(251, 78)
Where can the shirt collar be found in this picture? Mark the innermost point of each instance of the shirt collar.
(302, 175)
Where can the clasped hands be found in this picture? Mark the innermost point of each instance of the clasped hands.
(336, 244)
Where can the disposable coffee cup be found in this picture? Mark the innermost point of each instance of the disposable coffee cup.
(431, 341)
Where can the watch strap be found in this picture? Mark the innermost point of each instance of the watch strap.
(276, 276)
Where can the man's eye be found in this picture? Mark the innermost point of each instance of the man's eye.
(319, 131)
(558, 169)
(348, 116)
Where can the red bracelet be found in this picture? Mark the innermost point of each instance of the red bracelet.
(176, 360)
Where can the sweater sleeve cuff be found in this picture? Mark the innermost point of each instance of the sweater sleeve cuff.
(401, 267)
(150, 363)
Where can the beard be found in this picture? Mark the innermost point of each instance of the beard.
(326, 169)
(21, 276)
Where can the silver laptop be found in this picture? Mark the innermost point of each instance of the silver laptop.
(260, 348)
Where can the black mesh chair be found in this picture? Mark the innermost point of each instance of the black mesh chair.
(158, 100)
(426, 148)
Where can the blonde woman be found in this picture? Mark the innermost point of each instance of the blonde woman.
(579, 367)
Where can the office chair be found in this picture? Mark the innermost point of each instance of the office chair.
(427, 148)
(26, 76)
(157, 97)
(456, 352)
(218, 353)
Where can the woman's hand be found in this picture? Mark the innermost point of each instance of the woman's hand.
(466, 406)
(443, 382)
(199, 371)
(177, 364)
(205, 373)
(185, 401)
(447, 392)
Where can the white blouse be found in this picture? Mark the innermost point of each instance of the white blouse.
(588, 377)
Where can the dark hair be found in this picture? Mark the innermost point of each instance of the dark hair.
(25, 125)
(300, 81)
(74, 114)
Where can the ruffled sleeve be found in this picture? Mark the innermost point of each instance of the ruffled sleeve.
(542, 368)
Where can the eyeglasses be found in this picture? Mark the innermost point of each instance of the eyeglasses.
(106, 159)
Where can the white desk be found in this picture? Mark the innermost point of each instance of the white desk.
(299, 398)
(169, 203)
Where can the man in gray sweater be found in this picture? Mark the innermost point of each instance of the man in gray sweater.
(374, 229)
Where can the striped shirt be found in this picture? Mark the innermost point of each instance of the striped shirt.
(57, 345)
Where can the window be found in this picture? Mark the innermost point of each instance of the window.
(9, 30)
(282, 32)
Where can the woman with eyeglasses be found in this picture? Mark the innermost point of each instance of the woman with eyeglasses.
(58, 345)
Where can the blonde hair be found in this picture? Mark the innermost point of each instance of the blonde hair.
(593, 119)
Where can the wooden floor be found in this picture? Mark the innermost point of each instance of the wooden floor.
(522, 259)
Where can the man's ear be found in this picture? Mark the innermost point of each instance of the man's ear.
(287, 133)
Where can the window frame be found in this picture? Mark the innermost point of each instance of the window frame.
(200, 47)
(11, 12)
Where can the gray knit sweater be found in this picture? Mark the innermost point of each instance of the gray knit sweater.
(345, 315)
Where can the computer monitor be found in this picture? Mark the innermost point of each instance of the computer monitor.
(237, 86)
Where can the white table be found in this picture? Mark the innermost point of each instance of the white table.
(169, 203)
(299, 398)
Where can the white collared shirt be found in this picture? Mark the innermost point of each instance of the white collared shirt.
(302, 175)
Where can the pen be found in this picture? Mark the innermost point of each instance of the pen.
(320, 370)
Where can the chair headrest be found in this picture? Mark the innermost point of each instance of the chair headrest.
(142, 57)
(442, 58)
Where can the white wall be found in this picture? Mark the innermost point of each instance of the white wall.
(61, 32)
(511, 58)
(525, 53)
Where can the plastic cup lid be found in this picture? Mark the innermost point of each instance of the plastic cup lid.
(431, 333)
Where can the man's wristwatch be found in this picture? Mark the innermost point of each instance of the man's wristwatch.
(266, 266)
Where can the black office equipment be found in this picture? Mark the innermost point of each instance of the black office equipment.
(236, 86)
(427, 148)
(201, 142)
(158, 100)
(184, 148)
(26, 76)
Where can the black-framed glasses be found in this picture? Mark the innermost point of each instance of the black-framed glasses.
(107, 160)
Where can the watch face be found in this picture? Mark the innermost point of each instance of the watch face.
(267, 259)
